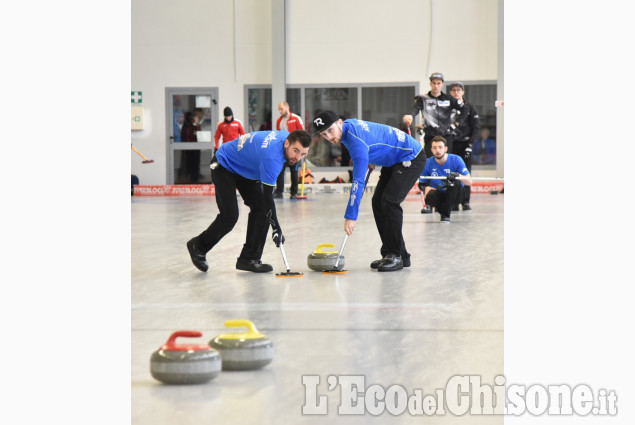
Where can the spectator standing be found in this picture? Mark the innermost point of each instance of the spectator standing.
(484, 149)
(229, 128)
(290, 122)
(179, 119)
(438, 110)
(191, 158)
(466, 133)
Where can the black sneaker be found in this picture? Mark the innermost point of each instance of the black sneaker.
(255, 266)
(197, 256)
(277, 195)
(466, 207)
(294, 196)
(445, 219)
(426, 210)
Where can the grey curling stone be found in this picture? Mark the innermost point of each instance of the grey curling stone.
(321, 261)
(243, 351)
(185, 364)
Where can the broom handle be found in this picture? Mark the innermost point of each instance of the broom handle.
(140, 154)
(339, 255)
(303, 173)
(284, 257)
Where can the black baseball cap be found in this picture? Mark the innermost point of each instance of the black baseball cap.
(457, 84)
(437, 75)
(324, 120)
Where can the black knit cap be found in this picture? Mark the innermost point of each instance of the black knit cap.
(227, 111)
(324, 120)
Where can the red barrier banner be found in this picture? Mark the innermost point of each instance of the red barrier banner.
(209, 190)
(477, 187)
(175, 190)
(487, 187)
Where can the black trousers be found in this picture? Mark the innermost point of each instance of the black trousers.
(294, 179)
(459, 149)
(444, 201)
(427, 139)
(394, 184)
(226, 183)
(192, 165)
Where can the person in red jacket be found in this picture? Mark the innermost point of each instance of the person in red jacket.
(230, 128)
(290, 122)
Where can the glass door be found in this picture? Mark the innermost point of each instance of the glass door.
(191, 123)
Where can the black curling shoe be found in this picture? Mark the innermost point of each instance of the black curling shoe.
(255, 266)
(375, 264)
(197, 256)
(390, 263)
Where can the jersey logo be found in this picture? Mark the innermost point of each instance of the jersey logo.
(363, 125)
(401, 136)
(242, 140)
(444, 103)
(354, 188)
(269, 138)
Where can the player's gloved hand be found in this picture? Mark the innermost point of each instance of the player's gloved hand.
(277, 236)
(422, 186)
(452, 178)
(468, 151)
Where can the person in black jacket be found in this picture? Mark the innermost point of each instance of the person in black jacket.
(439, 112)
(191, 158)
(466, 133)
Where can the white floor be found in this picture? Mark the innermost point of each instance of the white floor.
(417, 327)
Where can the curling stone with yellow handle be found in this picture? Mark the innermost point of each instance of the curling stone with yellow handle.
(320, 260)
(185, 363)
(245, 350)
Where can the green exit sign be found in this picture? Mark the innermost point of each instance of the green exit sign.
(135, 97)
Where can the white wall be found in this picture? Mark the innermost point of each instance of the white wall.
(341, 41)
(189, 43)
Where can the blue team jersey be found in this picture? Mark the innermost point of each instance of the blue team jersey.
(454, 164)
(372, 143)
(255, 156)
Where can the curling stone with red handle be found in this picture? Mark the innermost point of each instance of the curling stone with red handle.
(243, 351)
(185, 364)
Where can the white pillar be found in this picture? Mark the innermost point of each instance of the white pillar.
(500, 95)
(278, 55)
